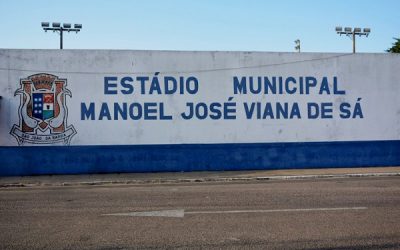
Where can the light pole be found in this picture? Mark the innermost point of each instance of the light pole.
(352, 33)
(297, 47)
(65, 27)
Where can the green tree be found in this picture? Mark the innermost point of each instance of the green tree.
(396, 46)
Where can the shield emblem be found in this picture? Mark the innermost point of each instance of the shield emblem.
(43, 112)
(43, 105)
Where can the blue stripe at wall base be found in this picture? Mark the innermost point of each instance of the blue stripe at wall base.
(195, 157)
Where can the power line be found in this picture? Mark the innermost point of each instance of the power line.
(179, 72)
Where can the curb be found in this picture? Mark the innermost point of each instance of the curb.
(196, 180)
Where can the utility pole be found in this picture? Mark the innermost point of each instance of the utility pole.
(56, 27)
(297, 47)
(352, 33)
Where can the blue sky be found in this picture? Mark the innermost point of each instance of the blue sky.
(201, 24)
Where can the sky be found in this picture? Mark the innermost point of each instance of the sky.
(216, 25)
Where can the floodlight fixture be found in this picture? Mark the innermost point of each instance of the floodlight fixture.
(56, 27)
(347, 29)
(352, 33)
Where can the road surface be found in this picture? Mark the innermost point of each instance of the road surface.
(347, 213)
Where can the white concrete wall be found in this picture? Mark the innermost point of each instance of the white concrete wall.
(374, 78)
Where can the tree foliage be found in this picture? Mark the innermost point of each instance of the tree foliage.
(396, 46)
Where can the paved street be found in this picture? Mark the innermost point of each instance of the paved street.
(345, 213)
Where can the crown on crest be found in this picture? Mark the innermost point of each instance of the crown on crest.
(42, 80)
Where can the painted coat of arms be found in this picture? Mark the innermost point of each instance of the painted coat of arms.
(43, 111)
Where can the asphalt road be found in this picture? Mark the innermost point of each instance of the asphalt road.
(349, 213)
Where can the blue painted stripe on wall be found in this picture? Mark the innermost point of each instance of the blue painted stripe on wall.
(195, 157)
